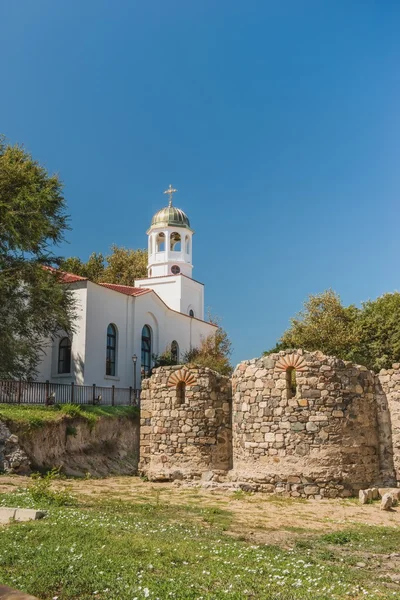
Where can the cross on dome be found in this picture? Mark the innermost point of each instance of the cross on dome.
(170, 191)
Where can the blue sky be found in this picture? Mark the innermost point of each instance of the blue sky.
(278, 122)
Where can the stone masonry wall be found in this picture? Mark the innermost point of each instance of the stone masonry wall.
(322, 442)
(389, 396)
(184, 437)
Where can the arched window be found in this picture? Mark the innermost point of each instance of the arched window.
(151, 244)
(64, 356)
(160, 242)
(146, 351)
(180, 392)
(111, 357)
(191, 313)
(174, 352)
(291, 385)
(187, 244)
(175, 243)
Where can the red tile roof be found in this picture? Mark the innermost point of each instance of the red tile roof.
(71, 278)
(64, 276)
(129, 290)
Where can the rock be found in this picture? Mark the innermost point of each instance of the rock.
(365, 496)
(6, 515)
(387, 502)
(375, 493)
(12, 458)
(207, 476)
(361, 564)
(29, 514)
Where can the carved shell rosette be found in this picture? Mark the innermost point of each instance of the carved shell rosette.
(181, 375)
(294, 361)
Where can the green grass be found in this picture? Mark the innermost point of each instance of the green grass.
(117, 550)
(38, 416)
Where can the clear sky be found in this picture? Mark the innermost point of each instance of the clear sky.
(278, 122)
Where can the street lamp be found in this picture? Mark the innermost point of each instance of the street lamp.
(134, 360)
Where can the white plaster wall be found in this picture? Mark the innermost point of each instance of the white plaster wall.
(192, 297)
(97, 307)
(105, 306)
(48, 368)
(168, 288)
(166, 326)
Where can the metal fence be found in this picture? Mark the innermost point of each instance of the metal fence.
(35, 392)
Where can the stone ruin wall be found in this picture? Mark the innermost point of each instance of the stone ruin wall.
(184, 437)
(322, 442)
(338, 433)
(388, 398)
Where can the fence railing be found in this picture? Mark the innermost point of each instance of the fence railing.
(35, 392)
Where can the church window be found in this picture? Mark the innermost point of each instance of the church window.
(151, 244)
(291, 385)
(160, 242)
(175, 242)
(187, 244)
(146, 351)
(175, 270)
(180, 392)
(174, 352)
(111, 350)
(191, 313)
(64, 356)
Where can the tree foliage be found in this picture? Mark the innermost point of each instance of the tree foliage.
(369, 335)
(33, 306)
(122, 266)
(214, 351)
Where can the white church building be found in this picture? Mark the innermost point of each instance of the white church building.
(119, 329)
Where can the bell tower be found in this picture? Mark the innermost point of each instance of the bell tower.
(170, 241)
(169, 268)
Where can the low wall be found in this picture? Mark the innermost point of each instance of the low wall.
(185, 427)
(317, 437)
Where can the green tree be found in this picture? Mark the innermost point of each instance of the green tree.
(379, 332)
(122, 266)
(214, 351)
(125, 265)
(369, 336)
(323, 324)
(33, 306)
(93, 269)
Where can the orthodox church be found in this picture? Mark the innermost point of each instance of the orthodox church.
(119, 328)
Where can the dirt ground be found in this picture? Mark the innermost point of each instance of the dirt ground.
(262, 518)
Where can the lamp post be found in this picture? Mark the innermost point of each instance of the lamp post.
(134, 360)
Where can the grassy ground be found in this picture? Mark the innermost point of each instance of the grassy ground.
(37, 415)
(123, 547)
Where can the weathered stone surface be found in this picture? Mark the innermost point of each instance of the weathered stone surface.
(186, 435)
(6, 515)
(365, 496)
(29, 514)
(20, 514)
(386, 502)
(329, 433)
(12, 458)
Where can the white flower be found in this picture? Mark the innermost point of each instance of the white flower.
(146, 592)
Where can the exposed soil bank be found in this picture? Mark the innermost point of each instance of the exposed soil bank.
(110, 446)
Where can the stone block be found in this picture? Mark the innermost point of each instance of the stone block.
(6, 515)
(29, 514)
(365, 496)
(387, 501)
